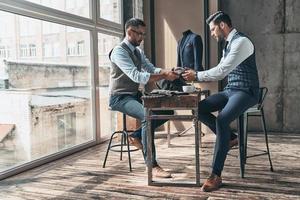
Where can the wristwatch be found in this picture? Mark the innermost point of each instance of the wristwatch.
(196, 77)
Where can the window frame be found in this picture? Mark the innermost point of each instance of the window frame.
(94, 25)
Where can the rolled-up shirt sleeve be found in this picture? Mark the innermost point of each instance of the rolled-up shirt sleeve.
(147, 65)
(122, 59)
(240, 50)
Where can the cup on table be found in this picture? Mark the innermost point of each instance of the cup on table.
(188, 88)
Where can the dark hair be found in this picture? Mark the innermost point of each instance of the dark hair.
(134, 22)
(219, 17)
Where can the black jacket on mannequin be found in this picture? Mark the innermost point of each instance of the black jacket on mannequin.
(189, 51)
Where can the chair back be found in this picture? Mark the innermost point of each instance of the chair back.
(262, 95)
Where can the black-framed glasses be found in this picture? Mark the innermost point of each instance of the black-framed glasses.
(139, 33)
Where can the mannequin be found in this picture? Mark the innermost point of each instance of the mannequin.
(189, 51)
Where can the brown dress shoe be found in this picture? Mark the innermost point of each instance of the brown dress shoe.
(135, 142)
(159, 172)
(212, 183)
(233, 143)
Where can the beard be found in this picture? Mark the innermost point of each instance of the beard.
(136, 43)
(221, 36)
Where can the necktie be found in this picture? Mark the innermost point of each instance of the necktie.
(225, 46)
(136, 53)
(137, 58)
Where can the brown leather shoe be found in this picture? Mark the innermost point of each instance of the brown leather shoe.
(233, 143)
(159, 172)
(212, 183)
(135, 142)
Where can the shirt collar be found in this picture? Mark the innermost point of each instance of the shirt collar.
(231, 34)
(131, 47)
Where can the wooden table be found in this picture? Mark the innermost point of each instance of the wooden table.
(176, 102)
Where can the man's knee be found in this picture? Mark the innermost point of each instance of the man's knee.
(203, 108)
(223, 119)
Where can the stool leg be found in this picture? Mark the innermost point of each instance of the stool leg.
(246, 136)
(128, 150)
(241, 144)
(122, 143)
(122, 137)
(108, 148)
(266, 137)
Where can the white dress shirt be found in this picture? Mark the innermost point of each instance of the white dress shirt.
(240, 49)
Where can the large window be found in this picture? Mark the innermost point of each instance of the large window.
(48, 90)
(48, 97)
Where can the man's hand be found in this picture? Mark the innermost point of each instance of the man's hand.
(189, 75)
(169, 75)
(164, 74)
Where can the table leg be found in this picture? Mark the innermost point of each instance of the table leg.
(149, 146)
(197, 146)
(169, 133)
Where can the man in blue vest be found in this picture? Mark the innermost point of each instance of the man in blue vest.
(242, 90)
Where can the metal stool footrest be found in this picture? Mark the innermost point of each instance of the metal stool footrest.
(123, 143)
(119, 145)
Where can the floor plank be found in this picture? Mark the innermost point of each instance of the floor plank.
(81, 175)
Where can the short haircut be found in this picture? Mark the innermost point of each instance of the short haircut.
(134, 22)
(219, 17)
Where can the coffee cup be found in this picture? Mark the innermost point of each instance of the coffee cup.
(188, 88)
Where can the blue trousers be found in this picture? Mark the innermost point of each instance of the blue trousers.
(230, 104)
(131, 105)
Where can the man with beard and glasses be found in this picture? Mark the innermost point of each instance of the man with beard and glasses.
(242, 90)
(129, 69)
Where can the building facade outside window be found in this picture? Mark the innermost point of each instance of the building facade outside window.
(66, 133)
(27, 50)
(76, 49)
(4, 51)
(51, 50)
(46, 86)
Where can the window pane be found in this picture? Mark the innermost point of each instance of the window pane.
(77, 7)
(45, 89)
(105, 44)
(111, 10)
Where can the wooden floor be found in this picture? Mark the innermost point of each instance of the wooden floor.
(81, 175)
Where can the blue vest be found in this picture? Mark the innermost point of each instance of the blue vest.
(244, 76)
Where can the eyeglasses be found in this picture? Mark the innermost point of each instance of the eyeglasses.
(139, 33)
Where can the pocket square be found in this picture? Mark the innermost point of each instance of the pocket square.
(189, 44)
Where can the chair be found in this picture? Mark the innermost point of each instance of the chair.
(256, 111)
(124, 142)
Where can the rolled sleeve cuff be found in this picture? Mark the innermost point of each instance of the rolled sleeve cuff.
(145, 78)
(157, 70)
(200, 76)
